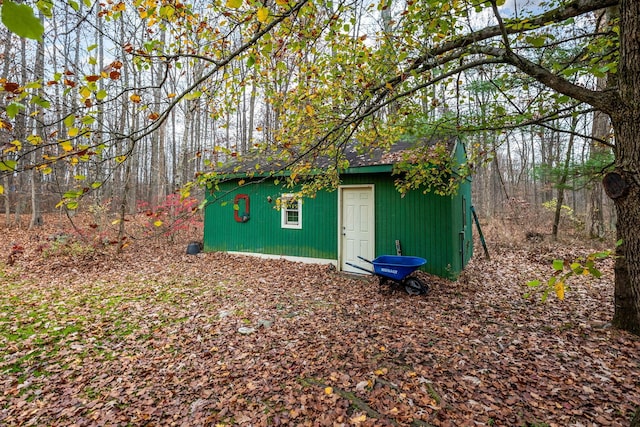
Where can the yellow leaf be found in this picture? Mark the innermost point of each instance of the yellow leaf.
(157, 223)
(262, 14)
(359, 419)
(115, 221)
(66, 145)
(382, 371)
(282, 2)
(389, 86)
(241, 182)
(234, 4)
(328, 390)
(73, 131)
(135, 98)
(310, 110)
(171, 95)
(13, 146)
(5, 125)
(1, 189)
(85, 92)
(560, 289)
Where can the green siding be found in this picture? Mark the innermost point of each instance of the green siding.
(263, 233)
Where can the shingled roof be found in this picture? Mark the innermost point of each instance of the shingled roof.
(259, 162)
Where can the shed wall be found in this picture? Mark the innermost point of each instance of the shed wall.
(427, 225)
(263, 232)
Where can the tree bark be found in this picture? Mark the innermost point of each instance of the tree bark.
(36, 178)
(626, 123)
(600, 130)
(563, 181)
(635, 422)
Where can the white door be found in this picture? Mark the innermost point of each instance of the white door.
(357, 227)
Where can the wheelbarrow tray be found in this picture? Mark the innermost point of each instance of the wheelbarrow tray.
(396, 267)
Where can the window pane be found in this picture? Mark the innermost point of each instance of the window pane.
(292, 217)
(291, 211)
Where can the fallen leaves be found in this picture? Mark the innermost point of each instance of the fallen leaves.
(153, 336)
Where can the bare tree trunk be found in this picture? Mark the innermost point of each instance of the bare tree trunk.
(123, 208)
(563, 180)
(36, 213)
(601, 129)
(7, 180)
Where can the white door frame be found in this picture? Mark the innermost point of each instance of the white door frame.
(370, 187)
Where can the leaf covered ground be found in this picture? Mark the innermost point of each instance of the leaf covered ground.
(157, 337)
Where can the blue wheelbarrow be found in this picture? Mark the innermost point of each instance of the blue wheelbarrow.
(393, 270)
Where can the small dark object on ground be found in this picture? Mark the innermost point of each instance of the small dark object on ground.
(194, 248)
(534, 236)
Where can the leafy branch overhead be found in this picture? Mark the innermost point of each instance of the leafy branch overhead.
(327, 80)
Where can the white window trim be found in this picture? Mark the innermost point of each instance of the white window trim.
(283, 212)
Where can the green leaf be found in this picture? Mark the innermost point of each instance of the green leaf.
(46, 7)
(533, 283)
(595, 272)
(20, 20)
(69, 120)
(577, 268)
(72, 194)
(41, 102)
(603, 254)
(88, 120)
(558, 264)
(102, 94)
(8, 165)
(74, 5)
(33, 85)
(193, 95)
(537, 41)
(13, 109)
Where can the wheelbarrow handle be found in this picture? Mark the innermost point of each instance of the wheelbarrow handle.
(364, 259)
(360, 268)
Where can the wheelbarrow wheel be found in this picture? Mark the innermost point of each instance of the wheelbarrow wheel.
(415, 286)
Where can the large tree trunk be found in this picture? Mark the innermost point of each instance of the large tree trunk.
(635, 422)
(623, 186)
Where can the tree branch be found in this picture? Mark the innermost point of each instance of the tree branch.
(603, 101)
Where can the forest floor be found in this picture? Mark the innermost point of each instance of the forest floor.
(154, 336)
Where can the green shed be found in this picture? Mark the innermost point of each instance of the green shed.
(365, 216)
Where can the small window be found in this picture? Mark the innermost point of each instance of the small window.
(291, 211)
